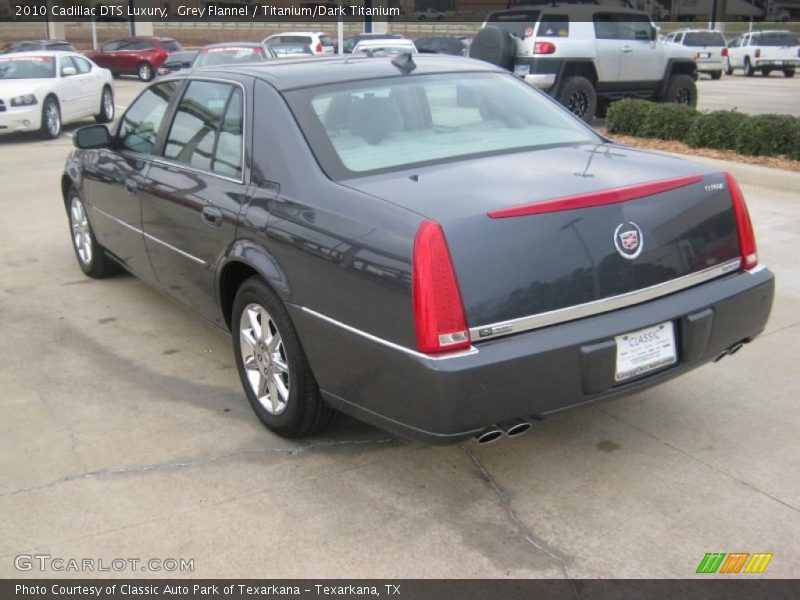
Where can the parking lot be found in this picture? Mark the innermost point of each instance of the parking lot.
(126, 433)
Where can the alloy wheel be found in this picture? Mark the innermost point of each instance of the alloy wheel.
(264, 358)
(683, 96)
(144, 72)
(578, 103)
(108, 105)
(81, 232)
(52, 119)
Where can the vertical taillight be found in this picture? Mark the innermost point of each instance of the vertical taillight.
(758, 52)
(747, 238)
(319, 47)
(724, 52)
(439, 315)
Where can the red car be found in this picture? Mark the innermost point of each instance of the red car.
(140, 56)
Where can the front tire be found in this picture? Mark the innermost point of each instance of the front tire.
(51, 119)
(106, 114)
(579, 96)
(788, 73)
(766, 72)
(716, 75)
(273, 368)
(91, 256)
(145, 71)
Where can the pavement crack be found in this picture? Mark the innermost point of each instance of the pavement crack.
(174, 466)
(780, 329)
(701, 461)
(502, 496)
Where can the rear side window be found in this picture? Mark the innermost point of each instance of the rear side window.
(704, 38)
(61, 46)
(293, 39)
(140, 45)
(83, 65)
(139, 126)
(206, 132)
(112, 46)
(622, 26)
(554, 26)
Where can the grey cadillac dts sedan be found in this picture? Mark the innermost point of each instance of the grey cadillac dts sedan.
(426, 243)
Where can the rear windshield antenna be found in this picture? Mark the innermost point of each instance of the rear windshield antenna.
(404, 62)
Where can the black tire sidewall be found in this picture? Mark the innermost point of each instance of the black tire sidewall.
(302, 387)
(678, 82)
(577, 83)
(102, 117)
(45, 130)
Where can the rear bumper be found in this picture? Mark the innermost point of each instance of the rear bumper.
(791, 63)
(709, 65)
(536, 373)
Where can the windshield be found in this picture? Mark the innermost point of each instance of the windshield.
(515, 22)
(29, 67)
(777, 38)
(388, 124)
(229, 54)
(704, 38)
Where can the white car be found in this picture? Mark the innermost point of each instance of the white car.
(385, 47)
(39, 91)
(707, 46)
(317, 41)
(764, 51)
(429, 14)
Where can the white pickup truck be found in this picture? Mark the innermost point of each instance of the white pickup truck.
(764, 51)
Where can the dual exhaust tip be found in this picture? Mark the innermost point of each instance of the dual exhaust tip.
(511, 428)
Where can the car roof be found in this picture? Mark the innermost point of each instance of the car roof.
(383, 42)
(226, 44)
(40, 42)
(47, 53)
(292, 73)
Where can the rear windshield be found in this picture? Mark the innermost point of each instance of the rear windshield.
(29, 67)
(704, 38)
(515, 22)
(388, 124)
(228, 54)
(171, 46)
(779, 38)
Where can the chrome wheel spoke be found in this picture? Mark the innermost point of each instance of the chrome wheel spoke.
(263, 355)
(274, 399)
(263, 386)
(280, 386)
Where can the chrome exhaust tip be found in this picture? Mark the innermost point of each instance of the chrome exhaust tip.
(735, 348)
(515, 427)
(489, 435)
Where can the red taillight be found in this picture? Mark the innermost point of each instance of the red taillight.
(544, 48)
(319, 48)
(747, 238)
(438, 310)
(724, 52)
(758, 52)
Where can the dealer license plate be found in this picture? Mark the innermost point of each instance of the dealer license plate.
(645, 350)
(522, 70)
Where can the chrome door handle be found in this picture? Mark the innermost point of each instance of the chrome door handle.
(212, 216)
(627, 49)
(131, 186)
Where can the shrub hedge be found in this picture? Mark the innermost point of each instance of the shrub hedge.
(755, 135)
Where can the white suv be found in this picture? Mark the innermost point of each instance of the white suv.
(318, 41)
(708, 48)
(587, 56)
(764, 51)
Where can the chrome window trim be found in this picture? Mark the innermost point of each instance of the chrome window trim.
(161, 159)
(596, 307)
(387, 343)
(148, 236)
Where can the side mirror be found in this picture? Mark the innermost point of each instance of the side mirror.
(92, 136)
(68, 71)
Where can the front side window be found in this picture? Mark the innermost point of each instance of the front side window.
(633, 27)
(206, 132)
(388, 124)
(139, 126)
(112, 46)
(83, 65)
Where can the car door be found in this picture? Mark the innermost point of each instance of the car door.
(641, 58)
(113, 178)
(69, 90)
(89, 86)
(195, 191)
(608, 47)
(107, 57)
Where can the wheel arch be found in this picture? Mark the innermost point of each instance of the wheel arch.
(572, 68)
(677, 67)
(246, 259)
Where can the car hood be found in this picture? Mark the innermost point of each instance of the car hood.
(16, 87)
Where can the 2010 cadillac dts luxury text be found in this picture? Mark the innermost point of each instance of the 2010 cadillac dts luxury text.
(432, 246)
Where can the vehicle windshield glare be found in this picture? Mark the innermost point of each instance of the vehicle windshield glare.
(29, 67)
(383, 125)
(228, 54)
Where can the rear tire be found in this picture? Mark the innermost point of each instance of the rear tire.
(748, 68)
(273, 368)
(579, 97)
(145, 71)
(91, 256)
(766, 72)
(716, 75)
(788, 73)
(106, 114)
(681, 89)
(728, 67)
